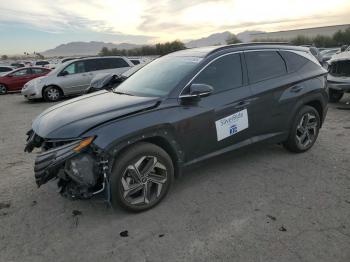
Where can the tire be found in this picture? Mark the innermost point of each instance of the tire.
(335, 95)
(132, 177)
(52, 94)
(3, 89)
(304, 130)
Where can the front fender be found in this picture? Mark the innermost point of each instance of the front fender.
(114, 136)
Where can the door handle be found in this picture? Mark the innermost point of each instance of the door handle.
(296, 89)
(242, 104)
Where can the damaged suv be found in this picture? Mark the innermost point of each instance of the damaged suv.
(130, 142)
(339, 76)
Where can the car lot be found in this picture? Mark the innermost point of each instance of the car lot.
(261, 203)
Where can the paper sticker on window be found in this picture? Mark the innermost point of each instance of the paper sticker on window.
(232, 124)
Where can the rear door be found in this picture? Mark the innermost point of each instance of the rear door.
(267, 75)
(226, 121)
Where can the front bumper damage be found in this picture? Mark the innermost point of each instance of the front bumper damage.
(79, 175)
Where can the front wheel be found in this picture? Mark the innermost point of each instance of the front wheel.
(335, 95)
(304, 130)
(3, 89)
(52, 94)
(141, 177)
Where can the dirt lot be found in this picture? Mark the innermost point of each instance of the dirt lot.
(261, 203)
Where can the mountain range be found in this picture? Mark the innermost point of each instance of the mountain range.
(92, 48)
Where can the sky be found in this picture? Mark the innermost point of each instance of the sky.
(38, 25)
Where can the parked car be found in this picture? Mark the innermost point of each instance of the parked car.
(73, 77)
(111, 80)
(339, 76)
(4, 69)
(41, 63)
(13, 81)
(328, 53)
(18, 65)
(178, 110)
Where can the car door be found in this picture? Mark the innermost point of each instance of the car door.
(223, 121)
(267, 76)
(18, 78)
(74, 78)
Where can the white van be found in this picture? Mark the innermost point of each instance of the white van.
(73, 77)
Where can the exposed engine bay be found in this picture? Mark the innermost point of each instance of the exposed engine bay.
(79, 168)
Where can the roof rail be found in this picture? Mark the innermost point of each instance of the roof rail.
(247, 44)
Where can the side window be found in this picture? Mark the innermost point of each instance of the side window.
(94, 65)
(75, 68)
(294, 61)
(70, 69)
(263, 65)
(117, 63)
(222, 74)
(22, 72)
(36, 71)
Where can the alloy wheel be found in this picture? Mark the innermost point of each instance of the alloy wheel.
(2, 89)
(143, 181)
(306, 132)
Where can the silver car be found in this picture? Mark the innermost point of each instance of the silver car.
(73, 77)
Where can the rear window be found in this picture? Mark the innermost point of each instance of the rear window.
(263, 65)
(294, 61)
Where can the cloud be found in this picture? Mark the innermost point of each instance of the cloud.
(159, 20)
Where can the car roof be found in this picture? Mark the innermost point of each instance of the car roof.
(209, 50)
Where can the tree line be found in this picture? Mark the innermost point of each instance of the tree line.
(341, 37)
(158, 49)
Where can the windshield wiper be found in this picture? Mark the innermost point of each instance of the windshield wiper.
(122, 93)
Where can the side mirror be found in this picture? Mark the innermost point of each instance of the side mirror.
(196, 91)
(63, 73)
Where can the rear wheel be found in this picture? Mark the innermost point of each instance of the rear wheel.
(141, 177)
(52, 94)
(3, 89)
(335, 95)
(304, 131)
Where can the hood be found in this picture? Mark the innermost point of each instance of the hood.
(72, 118)
(341, 56)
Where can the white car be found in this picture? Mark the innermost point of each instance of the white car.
(73, 77)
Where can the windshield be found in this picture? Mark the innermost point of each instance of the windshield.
(159, 77)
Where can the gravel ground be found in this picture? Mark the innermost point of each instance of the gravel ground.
(260, 203)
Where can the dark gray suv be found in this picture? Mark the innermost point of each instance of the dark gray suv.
(130, 142)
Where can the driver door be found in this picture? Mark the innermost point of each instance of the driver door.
(75, 78)
(222, 118)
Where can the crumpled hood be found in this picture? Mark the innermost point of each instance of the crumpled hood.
(72, 118)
